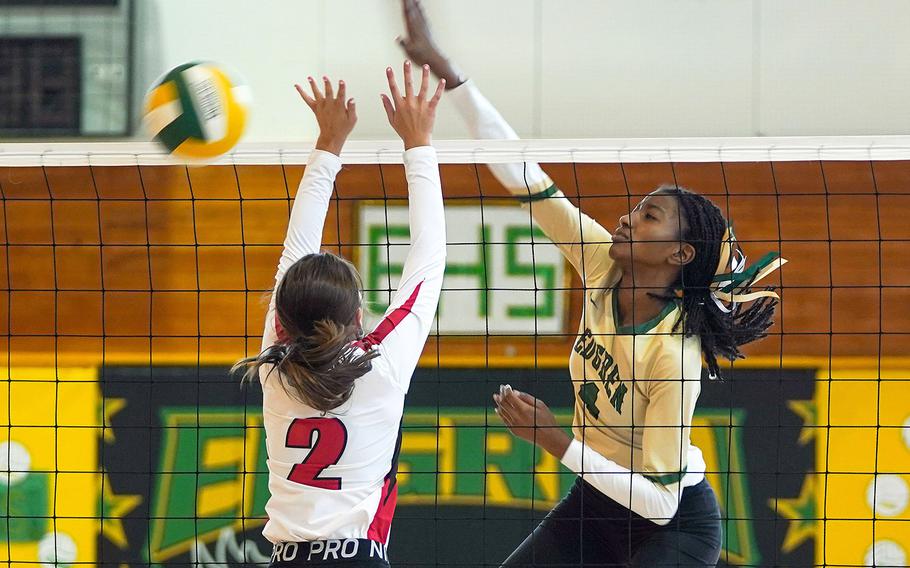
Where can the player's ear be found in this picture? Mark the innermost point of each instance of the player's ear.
(683, 255)
(358, 318)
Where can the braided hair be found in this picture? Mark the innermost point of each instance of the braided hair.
(702, 225)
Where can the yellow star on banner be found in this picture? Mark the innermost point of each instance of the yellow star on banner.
(806, 410)
(113, 508)
(111, 407)
(801, 513)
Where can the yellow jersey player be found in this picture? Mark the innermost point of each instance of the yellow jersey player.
(663, 290)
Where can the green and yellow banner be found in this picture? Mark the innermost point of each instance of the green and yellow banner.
(167, 465)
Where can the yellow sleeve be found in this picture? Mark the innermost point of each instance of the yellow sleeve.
(581, 239)
(674, 385)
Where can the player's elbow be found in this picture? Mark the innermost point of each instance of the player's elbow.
(663, 519)
(441, 255)
(663, 507)
(429, 241)
(436, 257)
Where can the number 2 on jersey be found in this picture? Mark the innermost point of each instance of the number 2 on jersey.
(331, 437)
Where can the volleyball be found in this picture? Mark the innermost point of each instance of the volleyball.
(198, 110)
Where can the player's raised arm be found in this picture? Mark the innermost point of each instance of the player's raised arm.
(581, 239)
(403, 331)
(336, 116)
(332, 398)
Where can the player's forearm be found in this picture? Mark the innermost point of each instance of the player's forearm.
(445, 68)
(417, 294)
(647, 498)
(554, 441)
(304, 234)
(560, 220)
(425, 212)
(485, 123)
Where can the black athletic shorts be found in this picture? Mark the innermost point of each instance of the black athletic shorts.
(587, 528)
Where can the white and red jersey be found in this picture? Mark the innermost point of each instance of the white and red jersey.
(332, 476)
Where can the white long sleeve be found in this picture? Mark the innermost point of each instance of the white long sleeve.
(403, 331)
(310, 206)
(426, 219)
(580, 238)
(651, 500)
(485, 123)
(305, 226)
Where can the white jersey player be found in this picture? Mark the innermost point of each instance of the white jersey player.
(333, 397)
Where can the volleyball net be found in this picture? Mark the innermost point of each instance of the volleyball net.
(130, 284)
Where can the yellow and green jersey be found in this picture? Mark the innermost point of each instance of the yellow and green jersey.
(635, 386)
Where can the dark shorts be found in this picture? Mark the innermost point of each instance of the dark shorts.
(587, 528)
(349, 553)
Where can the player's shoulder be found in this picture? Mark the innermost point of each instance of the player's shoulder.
(381, 368)
(673, 356)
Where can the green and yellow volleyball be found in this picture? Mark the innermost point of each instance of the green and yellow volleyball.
(198, 111)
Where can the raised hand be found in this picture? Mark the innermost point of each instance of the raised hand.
(335, 114)
(418, 44)
(412, 115)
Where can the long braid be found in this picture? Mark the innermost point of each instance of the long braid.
(722, 334)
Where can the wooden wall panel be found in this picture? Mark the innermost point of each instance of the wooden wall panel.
(173, 264)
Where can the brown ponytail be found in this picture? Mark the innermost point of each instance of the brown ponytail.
(317, 360)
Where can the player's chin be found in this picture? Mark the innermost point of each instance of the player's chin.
(620, 250)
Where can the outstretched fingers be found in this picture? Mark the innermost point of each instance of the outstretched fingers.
(329, 91)
(342, 91)
(408, 80)
(393, 84)
(440, 88)
(317, 94)
(424, 81)
(410, 113)
(388, 106)
(310, 101)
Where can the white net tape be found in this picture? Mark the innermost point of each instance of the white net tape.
(783, 149)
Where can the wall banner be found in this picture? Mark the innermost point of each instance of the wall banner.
(185, 460)
(503, 275)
